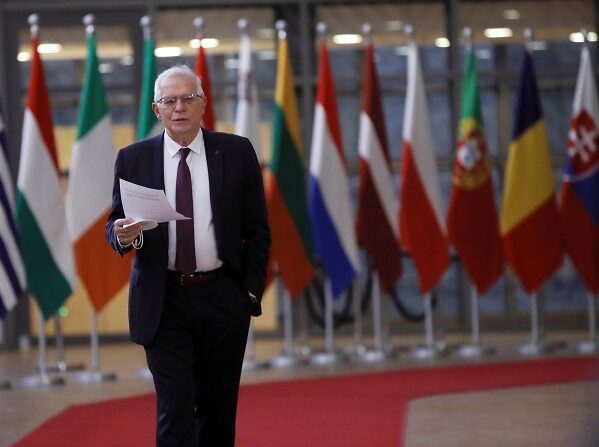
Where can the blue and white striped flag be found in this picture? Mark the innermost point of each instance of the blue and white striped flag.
(12, 273)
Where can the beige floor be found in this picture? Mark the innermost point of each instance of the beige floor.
(561, 415)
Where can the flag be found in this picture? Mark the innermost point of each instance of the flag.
(40, 211)
(421, 221)
(247, 117)
(147, 124)
(90, 188)
(286, 186)
(472, 223)
(12, 271)
(203, 71)
(329, 203)
(530, 222)
(579, 204)
(376, 223)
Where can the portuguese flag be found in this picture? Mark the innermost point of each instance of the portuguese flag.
(291, 250)
(472, 223)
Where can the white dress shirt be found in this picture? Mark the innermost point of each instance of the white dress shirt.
(203, 227)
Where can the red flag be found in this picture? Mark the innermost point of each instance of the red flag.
(377, 228)
(420, 218)
(203, 72)
(472, 223)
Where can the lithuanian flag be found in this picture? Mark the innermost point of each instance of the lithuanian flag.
(530, 223)
(286, 186)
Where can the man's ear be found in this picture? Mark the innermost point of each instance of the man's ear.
(156, 111)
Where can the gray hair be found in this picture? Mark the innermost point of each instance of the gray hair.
(173, 72)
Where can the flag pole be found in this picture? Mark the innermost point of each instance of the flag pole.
(43, 379)
(4, 384)
(288, 357)
(61, 366)
(589, 346)
(429, 349)
(378, 352)
(474, 349)
(95, 374)
(328, 356)
(357, 349)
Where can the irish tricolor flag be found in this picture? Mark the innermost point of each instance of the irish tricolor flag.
(286, 186)
(40, 212)
(89, 192)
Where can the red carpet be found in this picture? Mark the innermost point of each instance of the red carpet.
(346, 411)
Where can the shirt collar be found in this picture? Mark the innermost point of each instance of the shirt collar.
(173, 147)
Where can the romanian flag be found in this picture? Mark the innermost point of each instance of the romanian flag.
(579, 203)
(530, 222)
(421, 224)
(40, 210)
(89, 191)
(286, 186)
(376, 223)
(203, 71)
(472, 223)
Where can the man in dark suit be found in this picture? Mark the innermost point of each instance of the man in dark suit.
(194, 283)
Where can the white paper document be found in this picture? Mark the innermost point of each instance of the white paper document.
(146, 205)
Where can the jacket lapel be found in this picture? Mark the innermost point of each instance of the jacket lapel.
(214, 159)
(156, 153)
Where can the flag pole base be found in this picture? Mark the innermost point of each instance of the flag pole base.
(324, 358)
(532, 348)
(87, 377)
(144, 373)
(5, 385)
(253, 365)
(42, 381)
(293, 356)
(373, 355)
(355, 350)
(63, 367)
(474, 350)
(426, 352)
(588, 347)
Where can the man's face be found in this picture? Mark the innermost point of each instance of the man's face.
(182, 118)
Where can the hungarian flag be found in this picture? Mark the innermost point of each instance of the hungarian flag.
(472, 223)
(291, 249)
(421, 220)
(376, 224)
(147, 123)
(579, 203)
(12, 271)
(203, 71)
(329, 194)
(247, 117)
(90, 189)
(530, 222)
(40, 211)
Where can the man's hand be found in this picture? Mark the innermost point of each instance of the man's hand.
(126, 235)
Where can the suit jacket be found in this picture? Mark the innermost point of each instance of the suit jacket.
(239, 218)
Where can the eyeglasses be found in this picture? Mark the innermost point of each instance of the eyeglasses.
(170, 101)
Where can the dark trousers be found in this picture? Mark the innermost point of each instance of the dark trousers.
(196, 360)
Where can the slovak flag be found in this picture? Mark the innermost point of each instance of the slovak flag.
(579, 204)
(329, 202)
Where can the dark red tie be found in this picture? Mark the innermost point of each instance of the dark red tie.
(185, 260)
